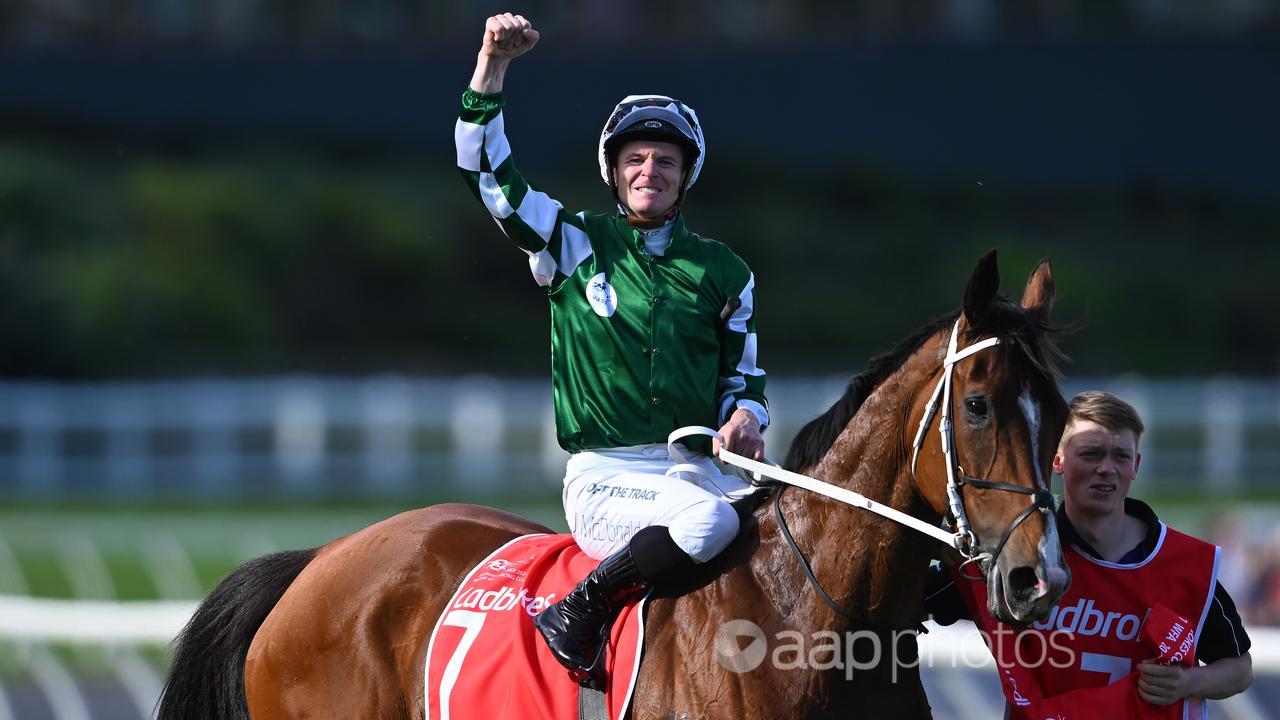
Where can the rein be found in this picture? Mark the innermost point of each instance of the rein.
(962, 539)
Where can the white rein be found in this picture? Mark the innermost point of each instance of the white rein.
(962, 539)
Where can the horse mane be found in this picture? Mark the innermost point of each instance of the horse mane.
(819, 434)
(1032, 342)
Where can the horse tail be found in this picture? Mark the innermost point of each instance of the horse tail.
(206, 677)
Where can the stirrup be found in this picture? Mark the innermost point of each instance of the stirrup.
(593, 677)
(587, 678)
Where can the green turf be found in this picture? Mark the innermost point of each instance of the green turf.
(215, 540)
(49, 542)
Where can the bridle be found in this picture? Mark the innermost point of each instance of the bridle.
(964, 540)
(961, 537)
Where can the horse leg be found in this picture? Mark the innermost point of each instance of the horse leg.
(348, 639)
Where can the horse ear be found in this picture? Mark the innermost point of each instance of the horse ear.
(1037, 299)
(981, 290)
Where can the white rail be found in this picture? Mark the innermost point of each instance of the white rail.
(27, 619)
(379, 436)
(157, 622)
(945, 653)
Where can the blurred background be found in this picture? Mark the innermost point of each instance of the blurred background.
(247, 303)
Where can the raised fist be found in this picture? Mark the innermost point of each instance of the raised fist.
(508, 36)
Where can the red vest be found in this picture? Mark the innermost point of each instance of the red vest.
(1062, 666)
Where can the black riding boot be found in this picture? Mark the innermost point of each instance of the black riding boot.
(576, 626)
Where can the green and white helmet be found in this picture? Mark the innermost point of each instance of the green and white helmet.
(653, 117)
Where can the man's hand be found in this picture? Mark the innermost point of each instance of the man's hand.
(1164, 684)
(1222, 678)
(741, 435)
(508, 36)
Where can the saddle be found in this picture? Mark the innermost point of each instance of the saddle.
(485, 659)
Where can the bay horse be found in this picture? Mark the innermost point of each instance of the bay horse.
(340, 631)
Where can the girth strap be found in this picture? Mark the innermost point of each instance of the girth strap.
(591, 704)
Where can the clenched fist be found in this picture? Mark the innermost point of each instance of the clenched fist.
(508, 36)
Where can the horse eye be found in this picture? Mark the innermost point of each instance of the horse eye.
(976, 406)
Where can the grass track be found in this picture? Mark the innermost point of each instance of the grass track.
(137, 546)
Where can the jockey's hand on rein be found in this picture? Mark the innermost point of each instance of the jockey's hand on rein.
(741, 435)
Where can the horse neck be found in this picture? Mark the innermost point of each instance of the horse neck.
(866, 562)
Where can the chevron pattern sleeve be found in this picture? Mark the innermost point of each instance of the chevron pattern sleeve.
(532, 219)
(741, 383)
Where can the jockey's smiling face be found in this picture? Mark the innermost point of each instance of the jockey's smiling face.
(648, 174)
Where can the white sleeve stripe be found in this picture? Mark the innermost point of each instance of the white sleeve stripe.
(494, 199)
(467, 139)
(747, 366)
(738, 321)
(539, 212)
(762, 415)
(729, 387)
(543, 267)
(495, 142)
(575, 247)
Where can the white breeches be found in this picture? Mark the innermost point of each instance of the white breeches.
(609, 495)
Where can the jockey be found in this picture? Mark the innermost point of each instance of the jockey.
(652, 329)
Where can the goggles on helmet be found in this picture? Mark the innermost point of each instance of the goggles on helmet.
(652, 108)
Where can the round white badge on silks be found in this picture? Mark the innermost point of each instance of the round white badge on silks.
(602, 296)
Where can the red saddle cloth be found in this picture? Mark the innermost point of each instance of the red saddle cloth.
(486, 660)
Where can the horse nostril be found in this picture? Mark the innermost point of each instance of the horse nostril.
(1023, 583)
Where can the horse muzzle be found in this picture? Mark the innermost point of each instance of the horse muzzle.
(1025, 594)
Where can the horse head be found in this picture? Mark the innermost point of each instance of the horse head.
(999, 422)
